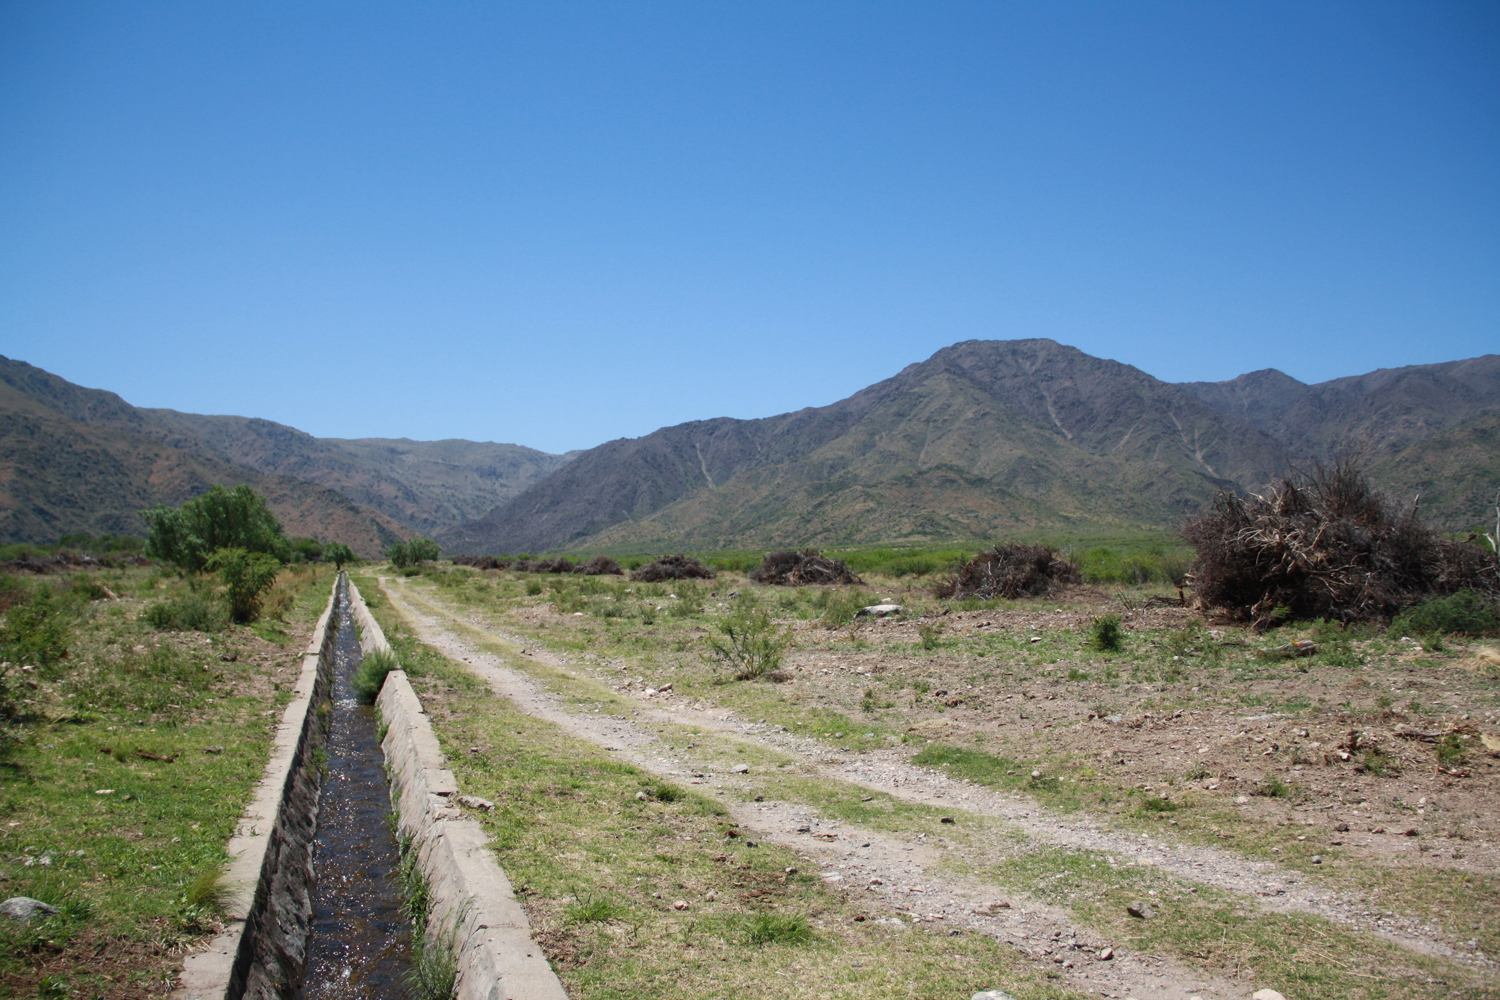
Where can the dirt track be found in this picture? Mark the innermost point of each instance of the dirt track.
(910, 878)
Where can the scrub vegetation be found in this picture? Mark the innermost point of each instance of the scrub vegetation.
(135, 726)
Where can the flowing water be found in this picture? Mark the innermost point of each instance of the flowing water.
(361, 940)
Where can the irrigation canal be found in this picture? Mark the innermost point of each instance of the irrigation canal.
(360, 941)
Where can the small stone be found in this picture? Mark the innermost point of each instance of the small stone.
(641, 796)
(740, 769)
(1035, 638)
(1141, 910)
(1317, 859)
(1106, 954)
(879, 611)
(1341, 827)
(104, 791)
(711, 897)
(213, 749)
(1242, 800)
(681, 904)
(1036, 774)
(475, 802)
(947, 819)
(25, 909)
(1266, 995)
(992, 995)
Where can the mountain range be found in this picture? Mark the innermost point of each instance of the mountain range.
(983, 439)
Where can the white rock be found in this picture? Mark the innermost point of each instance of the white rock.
(25, 909)
(1266, 995)
(741, 769)
(992, 995)
(879, 611)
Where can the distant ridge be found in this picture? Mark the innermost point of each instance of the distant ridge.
(987, 438)
(981, 440)
(78, 459)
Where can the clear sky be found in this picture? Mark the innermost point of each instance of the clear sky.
(559, 223)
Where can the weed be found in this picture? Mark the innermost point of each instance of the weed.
(1158, 804)
(1464, 613)
(373, 667)
(1450, 750)
(592, 908)
(777, 928)
(1379, 763)
(931, 636)
(1274, 788)
(533, 588)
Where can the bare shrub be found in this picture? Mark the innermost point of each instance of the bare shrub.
(1010, 571)
(1328, 545)
(677, 567)
(800, 569)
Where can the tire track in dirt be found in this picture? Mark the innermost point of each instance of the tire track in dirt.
(891, 871)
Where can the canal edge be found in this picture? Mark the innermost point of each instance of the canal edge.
(273, 837)
(472, 899)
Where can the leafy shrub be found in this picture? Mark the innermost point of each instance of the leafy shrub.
(188, 613)
(1106, 634)
(1464, 613)
(187, 536)
(752, 645)
(246, 575)
(367, 680)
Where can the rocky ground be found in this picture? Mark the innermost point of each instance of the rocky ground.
(1269, 762)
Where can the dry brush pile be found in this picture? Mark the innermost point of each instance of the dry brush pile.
(1010, 571)
(800, 569)
(672, 568)
(1328, 546)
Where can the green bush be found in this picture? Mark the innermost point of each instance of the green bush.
(1105, 634)
(188, 613)
(373, 667)
(246, 575)
(752, 645)
(1464, 613)
(36, 630)
(187, 536)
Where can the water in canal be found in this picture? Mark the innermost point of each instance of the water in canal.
(360, 941)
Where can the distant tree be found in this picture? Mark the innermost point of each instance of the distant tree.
(306, 549)
(246, 575)
(220, 519)
(413, 551)
(338, 553)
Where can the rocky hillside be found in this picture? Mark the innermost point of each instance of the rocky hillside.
(75, 457)
(983, 438)
(1425, 429)
(59, 475)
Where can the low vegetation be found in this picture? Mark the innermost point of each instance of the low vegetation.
(134, 731)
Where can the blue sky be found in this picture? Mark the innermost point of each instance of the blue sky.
(560, 223)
